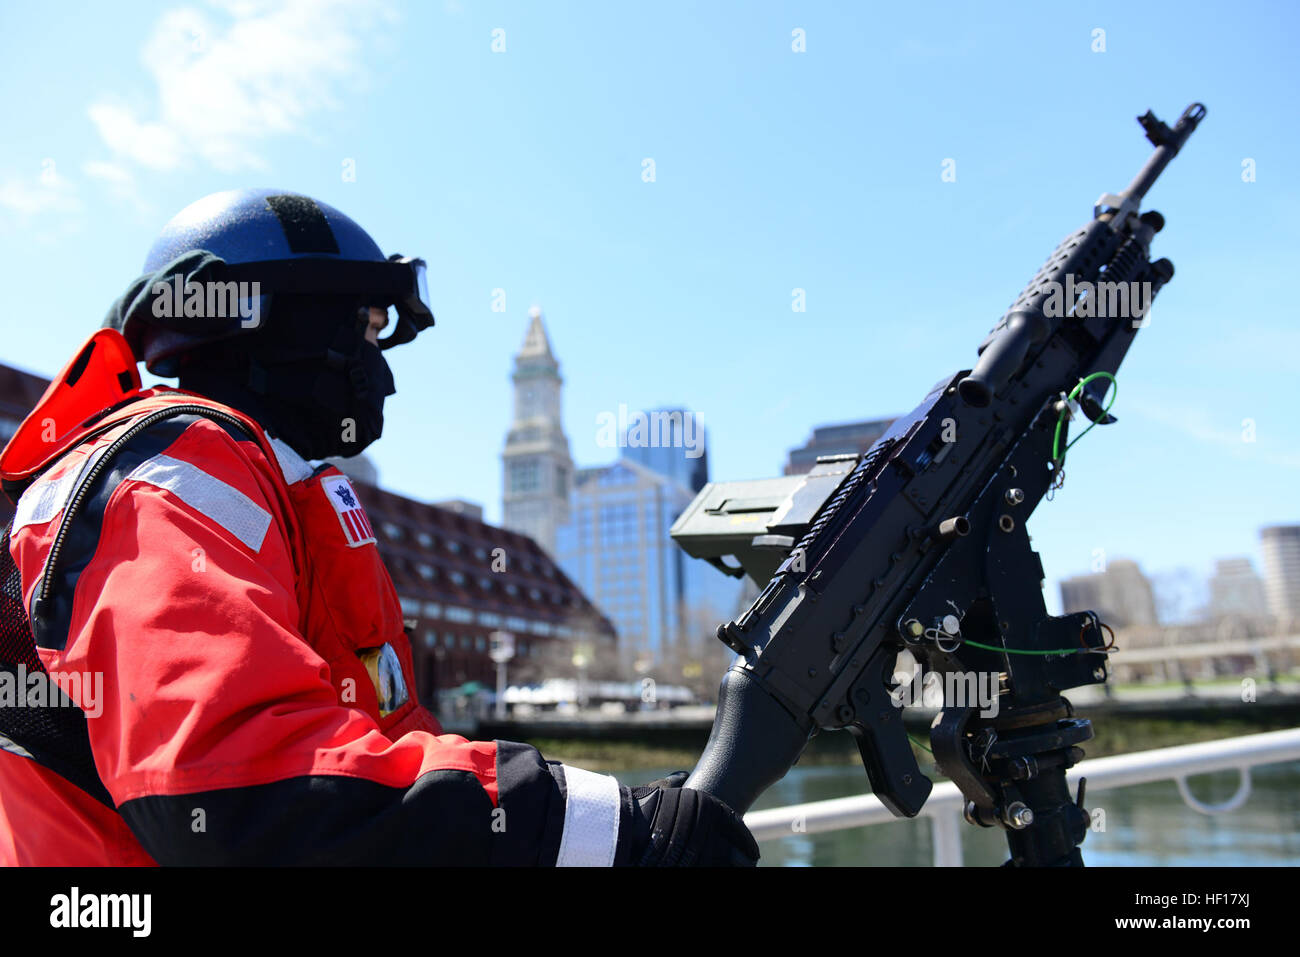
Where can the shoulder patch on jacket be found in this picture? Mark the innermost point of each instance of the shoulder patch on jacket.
(356, 526)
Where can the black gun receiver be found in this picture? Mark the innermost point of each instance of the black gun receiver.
(920, 545)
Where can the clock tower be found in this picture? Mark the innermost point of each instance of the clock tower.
(538, 467)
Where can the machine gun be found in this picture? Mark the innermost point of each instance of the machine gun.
(919, 544)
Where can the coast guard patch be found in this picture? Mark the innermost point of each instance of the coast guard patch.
(356, 527)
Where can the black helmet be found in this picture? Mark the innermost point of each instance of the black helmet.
(286, 244)
(310, 374)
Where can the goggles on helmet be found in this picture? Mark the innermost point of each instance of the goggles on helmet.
(400, 282)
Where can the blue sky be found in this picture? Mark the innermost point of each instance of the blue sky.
(521, 170)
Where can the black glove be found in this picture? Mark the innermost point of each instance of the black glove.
(673, 779)
(673, 826)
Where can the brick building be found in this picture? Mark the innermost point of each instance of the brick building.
(460, 579)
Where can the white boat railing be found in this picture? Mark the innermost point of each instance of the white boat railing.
(944, 807)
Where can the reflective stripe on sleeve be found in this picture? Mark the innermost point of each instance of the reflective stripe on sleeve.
(224, 504)
(591, 814)
(48, 497)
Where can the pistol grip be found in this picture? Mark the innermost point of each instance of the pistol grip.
(887, 755)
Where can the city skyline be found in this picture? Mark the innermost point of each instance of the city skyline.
(607, 525)
(1184, 593)
(1136, 598)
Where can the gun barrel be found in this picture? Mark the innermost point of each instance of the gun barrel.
(1025, 325)
(1168, 143)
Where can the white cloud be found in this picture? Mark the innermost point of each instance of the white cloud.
(108, 172)
(119, 182)
(149, 144)
(1221, 431)
(227, 83)
(46, 207)
(49, 191)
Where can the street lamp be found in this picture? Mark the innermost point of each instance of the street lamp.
(581, 658)
(501, 649)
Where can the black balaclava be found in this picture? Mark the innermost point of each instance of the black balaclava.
(309, 375)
